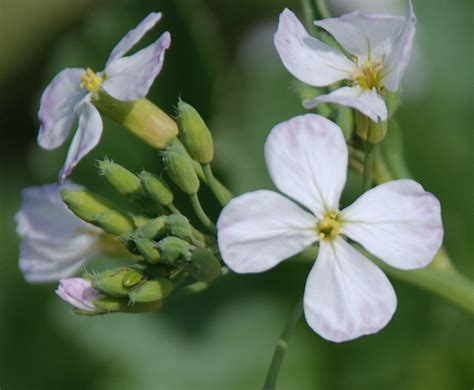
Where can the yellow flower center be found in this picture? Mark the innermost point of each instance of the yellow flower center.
(329, 227)
(91, 81)
(370, 74)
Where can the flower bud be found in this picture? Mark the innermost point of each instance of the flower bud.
(110, 304)
(132, 278)
(152, 229)
(79, 293)
(194, 133)
(98, 211)
(173, 248)
(141, 117)
(180, 168)
(179, 226)
(156, 188)
(377, 131)
(124, 181)
(203, 266)
(151, 290)
(148, 250)
(111, 282)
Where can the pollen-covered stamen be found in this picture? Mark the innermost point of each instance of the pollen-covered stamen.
(329, 227)
(91, 81)
(370, 74)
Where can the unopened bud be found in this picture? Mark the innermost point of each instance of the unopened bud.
(110, 304)
(180, 168)
(203, 266)
(179, 226)
(111, 282)
(156, 188)
(194, 133)
(141, 117)
(98, 211)
(124, 181)
(151, 290)
(377, 131)
(173, 248)
(153, 228)
(132, 278)
(148, 250)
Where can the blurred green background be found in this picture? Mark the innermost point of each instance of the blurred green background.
(223, 62)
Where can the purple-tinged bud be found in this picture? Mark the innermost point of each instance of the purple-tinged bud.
(79, 293)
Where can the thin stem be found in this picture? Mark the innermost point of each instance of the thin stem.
(323, 10)
(201, 213)
(217, 189)
(282, 346)
(197, 287)
(368, 166)
(309, 12)
(202, 176)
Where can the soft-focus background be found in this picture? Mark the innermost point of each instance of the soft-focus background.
(223, 62)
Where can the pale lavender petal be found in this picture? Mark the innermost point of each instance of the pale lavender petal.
(399, 222)
(346, 295)
(369, 102)
(79, 293)
(307, 58)
(133, 36)
(86, 138)
(363, 34)
(130, 78)
(56, 112)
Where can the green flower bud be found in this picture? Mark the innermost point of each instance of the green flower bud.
(148, 249)
(377, 131)
(173, 248)
(152, 229)
(111, 282)
(194, 133)
(132, 278)
(110, 305)
(179, 226)
(156, 188)
(203, 266)
(141, 117)
(124, 181)
(151, 290)
(98, 211)
(180, 168)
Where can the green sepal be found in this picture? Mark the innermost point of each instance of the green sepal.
(151, 290)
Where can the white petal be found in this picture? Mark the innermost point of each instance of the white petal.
(307, 58)
(363, 34)
(86, 138)
(307, 160)
(133, 36)
(397, 60)
(57, 107)
(369, 102)
(258, 230)
(399, 222)
(130, 78)
(346, 296)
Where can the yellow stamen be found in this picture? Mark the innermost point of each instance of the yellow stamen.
(91, 81)
(370, 74)
(329, 227)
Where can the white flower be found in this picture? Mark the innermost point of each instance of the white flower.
(379, 47)
(79, 293)
(69, 94)
(346, 295)
(54, 242)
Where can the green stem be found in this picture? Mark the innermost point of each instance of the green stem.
(222, 196)
(323, 10)
(368, 166)
(198, 286)
(282, 346)
(222, 188)
(310, 14)
(201, 213)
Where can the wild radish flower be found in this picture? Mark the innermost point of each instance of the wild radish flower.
(379, 48)
(346, 295)
(79, 293)
(69, 94)
(54, 242)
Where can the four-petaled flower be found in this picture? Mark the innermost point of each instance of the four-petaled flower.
(346, 295)
(379, 47)
(79, 293)
(54, 242)
(69, 94)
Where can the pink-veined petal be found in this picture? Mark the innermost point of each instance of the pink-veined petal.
(307, 160)
(397, 60)
(346, 295)
(307, 58)
(369, 102)
(399, 222)
(79, 293)
(364, 34)
(260, 229)
(130, 78)
(133, 36)
(86, 138)
(56, 112)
